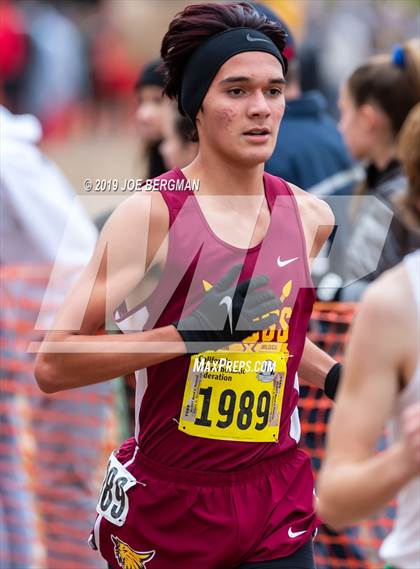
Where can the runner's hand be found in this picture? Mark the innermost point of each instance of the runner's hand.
(224, 318)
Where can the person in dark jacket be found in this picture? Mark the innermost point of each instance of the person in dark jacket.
(309, 148)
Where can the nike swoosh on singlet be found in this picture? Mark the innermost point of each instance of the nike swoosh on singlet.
(250, 38)
(227, 301)
(293, 534)
(286, 262)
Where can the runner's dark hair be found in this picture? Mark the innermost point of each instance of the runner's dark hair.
(198, 22)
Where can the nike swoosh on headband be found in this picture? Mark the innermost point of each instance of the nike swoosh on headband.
(250, 38)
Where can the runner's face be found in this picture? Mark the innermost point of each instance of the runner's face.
(149, 113)
(243, 107)
(354, 126)
(175, 151)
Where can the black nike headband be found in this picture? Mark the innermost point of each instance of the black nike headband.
(207, 59)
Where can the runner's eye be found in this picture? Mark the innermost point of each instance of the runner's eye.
(275, 92)
(236, 91)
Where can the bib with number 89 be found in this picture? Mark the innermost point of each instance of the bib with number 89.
(113, 502)
(234, 396)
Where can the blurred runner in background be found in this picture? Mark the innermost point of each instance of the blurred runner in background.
(150, 115)
(180, 143)
(382, 383)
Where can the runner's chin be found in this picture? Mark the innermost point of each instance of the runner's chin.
(256, 150)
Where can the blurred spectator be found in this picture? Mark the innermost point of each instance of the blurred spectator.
(339, 51)
(57, 76)
(340, 36)
(180, 143)
(113, 73)
(36, 202)
(150, 116)
(34, 190)
(374, 103)
(13, 51)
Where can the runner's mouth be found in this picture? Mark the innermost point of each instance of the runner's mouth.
(257, 132)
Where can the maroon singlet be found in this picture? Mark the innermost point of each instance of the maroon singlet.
(197, 256)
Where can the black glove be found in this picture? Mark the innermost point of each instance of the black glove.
(224, 317)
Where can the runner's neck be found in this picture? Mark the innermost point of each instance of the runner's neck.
(218, 178)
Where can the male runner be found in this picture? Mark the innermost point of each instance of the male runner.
(217, 282)
(382, 382)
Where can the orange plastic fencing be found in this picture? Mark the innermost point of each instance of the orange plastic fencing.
(53, 448)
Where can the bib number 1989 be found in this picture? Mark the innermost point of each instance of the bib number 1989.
(234, 406)
(245, 409)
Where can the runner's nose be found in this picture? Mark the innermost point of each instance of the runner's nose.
(259, 105)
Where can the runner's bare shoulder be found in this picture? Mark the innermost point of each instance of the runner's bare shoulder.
(135, 231)
(126, 248)
(389, 303)
(317, 219)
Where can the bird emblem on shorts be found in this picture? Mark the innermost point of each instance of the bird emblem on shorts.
(128, 558)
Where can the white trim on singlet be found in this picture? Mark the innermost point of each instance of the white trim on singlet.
(96, 531)
(141, 386)
(135, 323)
(132, 459)
(295, 429)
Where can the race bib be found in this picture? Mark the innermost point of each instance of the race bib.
(234, 396)
(113, 502)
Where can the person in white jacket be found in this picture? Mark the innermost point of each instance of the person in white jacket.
(41, 224)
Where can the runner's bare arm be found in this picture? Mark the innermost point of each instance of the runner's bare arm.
(355, 481)
(315, 364)
(76, 352)
(318, 223)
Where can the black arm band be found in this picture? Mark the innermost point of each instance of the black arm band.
(332, 380)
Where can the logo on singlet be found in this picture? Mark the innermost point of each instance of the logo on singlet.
(286, 262)
(227, 301)
(128, 558)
